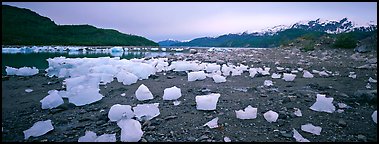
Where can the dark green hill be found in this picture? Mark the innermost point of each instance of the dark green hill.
(25, 27)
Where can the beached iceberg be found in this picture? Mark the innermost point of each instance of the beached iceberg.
(218, 78)
(146, 111)
(276, 76)
(39, 128)
(288, 77)
(176, 103)
(212, 123)
(227, 139)
(307, 74)
(297, 112)
(52, 100)
(352, 75)
(106, 138)
(298, 137)
(212, 67)
(89, 136)
(271, 116)
(130, 130)
(172, 93)
(236, 72)
(311, 129)
(118, 112)
(28, 90)
(126, 78)
(226, 70)
(84, 95)
(207, 102)
(193, 76)
(268, 83)
(323, 73)
(323, 104)
(24, 71)
(374, 117)
(248, 113)
(371, 80)
(143, 93)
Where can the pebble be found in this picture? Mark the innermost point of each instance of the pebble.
(362, 138)
(342, 123)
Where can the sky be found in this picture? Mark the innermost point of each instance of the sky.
(159, 21)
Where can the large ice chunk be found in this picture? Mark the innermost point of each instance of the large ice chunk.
(311, 129)
(276, 76)
(298, 137)
(143, 93)
(193, 76)
(89, 136)
(218, 78)
(288, 77)
(53, 100)
(212, 123)
(85, 95)
(207, 102)
(271, 116)
(126, 78)
(248, 113)
(307, 74)
(374, 117)
(106, 138)
(39, 128)
(172, 93)
(130, 130)
(146, 111)
(24, 71)
(212, 67)
(118, 112)
(323, 104)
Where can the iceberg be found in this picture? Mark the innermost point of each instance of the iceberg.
(130, 130)
(297, 112)
(288, 77)
(118, 112)
(311, 129)
(52, 100)
(276, 76)
(126, 78)
(88, 137)
(207, 102)
(271, 116)
(24, 71)
(193, 76)
(146, 111)
(85, 95)
(28, 90)
(323, 104)
(212, 123)
(248, 113)
(374, 117)
(371, 80)
(268, 83)
(227, 139)
(172, 93)
(298, 137)
(307, 74)
(218, 78)
(212, 67)
(143, 93)
(352, 75)
(39, 128)
(106, 138)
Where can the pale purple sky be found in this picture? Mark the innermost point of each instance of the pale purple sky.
(188, 20)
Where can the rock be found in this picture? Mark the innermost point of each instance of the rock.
(170, 77)
(203, 137)
(56, 110)
(170, 117)
(362, 49)
(193, 51)
(365, 96)
(191, 139)
(362, 138)
(143, 140)
(285, 134)
(342, 123)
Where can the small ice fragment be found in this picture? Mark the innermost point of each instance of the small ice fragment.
(311, 129)
(371, 80)
(307, 74)
(218, 78)
(271, 116)
(298, 112)
(39, 128)
(227, 139)
(298, 137)
(276, 76)
(268, 83)
(28, 90)
(106, 138)
(340, 111)
(172, 93)
(300, 69)
(53, 100)
(146, 111)
(123, 94)
(323, 73)
(288, 77)
(193, 76)
(130, 130)
(207, 102)
(323, 104)
(89, 136)
(352, 75)
(118, 112)
(143, 93)
(176, 103)
(374, 117)
(248, 113)
(279, 68)
(368, 86)
(294, 71)
(342, 105)
(212, 123)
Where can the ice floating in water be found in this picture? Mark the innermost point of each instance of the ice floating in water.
(89, 136)
(24, 71)
(193, 76)
(268, 83)
(352, 75)
(323, 104)
(374, 117)
(176, 103)
(288, 77)
(297, 112)
(307, 74)
(28, 90)
(130, 130)
(172, 93)
(207, 102)
(227, 139)
(248, 113)
(52, 100)
(117, 49)
(371, 80)
(298, 137)
(39, 128)
(143, 93)
(271, 116)
(311, 129)
(212, 123)
(218, 78)
(106, 138)
(276, 76)
(118, 112)
(146, 111)
(126, 78)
